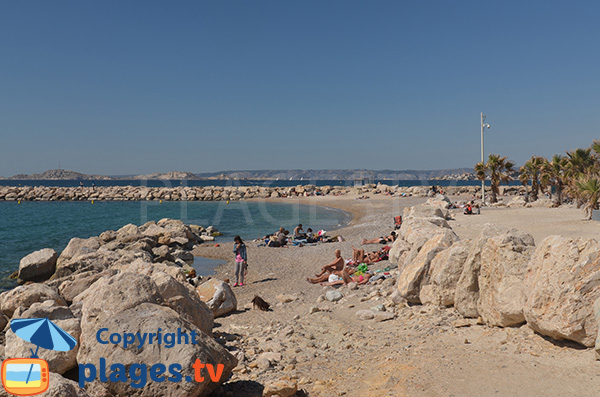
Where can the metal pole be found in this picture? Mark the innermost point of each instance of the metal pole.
(483, 181)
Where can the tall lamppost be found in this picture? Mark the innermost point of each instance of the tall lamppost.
(483, 125)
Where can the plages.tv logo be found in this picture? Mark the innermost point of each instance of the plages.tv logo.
(30, 376)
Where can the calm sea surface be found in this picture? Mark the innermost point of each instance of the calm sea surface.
(31, 226)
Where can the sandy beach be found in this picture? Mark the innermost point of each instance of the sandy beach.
(423, 351)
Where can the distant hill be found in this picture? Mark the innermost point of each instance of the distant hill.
(59, 174)
(307, 175)
(337, 174)
(167, 175)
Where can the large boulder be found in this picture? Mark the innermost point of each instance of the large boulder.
(467, 288)
(218, 295)
(96, 261)
(131, 302)
(443, 275)
(127, 230)
(77, 247)
(147, 318)
(155, 231)
(58, 361)
(561, 287)
(440, 201)
(38, 265)
(74, 286)
(416, 231)
(398, 252)
(183, 299)
(24, 296)
(504, 261)
(144, 267)
(411, 277)
(424, 211)
(60, 386)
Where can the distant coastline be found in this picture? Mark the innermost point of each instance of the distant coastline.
(266, 175)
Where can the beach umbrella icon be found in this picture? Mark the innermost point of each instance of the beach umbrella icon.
(43, 333)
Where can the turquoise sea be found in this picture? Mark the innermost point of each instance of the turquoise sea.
(31, 226)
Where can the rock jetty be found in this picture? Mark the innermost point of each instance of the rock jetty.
(127, 280)
(502, 278)
(221, 193)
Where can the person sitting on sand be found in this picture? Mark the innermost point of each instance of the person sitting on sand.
(280, 239)
(334, 267)
(310, 237)
(346, 279)
(299, 232)
(381, 240)
(469, 209)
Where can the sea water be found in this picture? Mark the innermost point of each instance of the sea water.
(31, 226)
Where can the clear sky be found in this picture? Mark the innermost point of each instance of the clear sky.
(122, 87)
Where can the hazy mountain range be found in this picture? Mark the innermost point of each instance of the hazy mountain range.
(330, 174)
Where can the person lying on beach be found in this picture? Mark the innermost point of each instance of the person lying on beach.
(336, 266)
(381, 240)
(345, 279)
(359, 255)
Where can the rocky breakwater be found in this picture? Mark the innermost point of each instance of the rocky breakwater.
(132, 280)
(216, 193)
(500, 278)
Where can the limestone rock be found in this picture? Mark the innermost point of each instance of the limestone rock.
(283, 298)
(518, 201)
(383, 316)
(561, 287)
(96, 261)
(153, 230)
(77, 247)
(440, 201)
(424, 211)
(133, 302)
(69, 289)
(365, 314)
(218, 295)
(129, 229)
(183, 299)
(148, 318)
(399, 251)
(467, 288)
(58, 361)
(504, 261)
(24, 296)
(281, 388)
(411, 277)
(443, 275)
(38, 265)
(333, 295)
(60, 386)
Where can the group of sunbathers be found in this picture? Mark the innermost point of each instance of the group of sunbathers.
(282, 237)
(340, 272)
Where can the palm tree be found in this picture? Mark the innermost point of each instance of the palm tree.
(579, 163)
(553, 174)
(589, 187)
(499, 170)
(530, 172)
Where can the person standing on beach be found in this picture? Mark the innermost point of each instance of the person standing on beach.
(241, 261)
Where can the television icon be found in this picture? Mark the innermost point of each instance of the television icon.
(25, 376)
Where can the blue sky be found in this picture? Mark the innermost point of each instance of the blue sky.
(115, 87)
